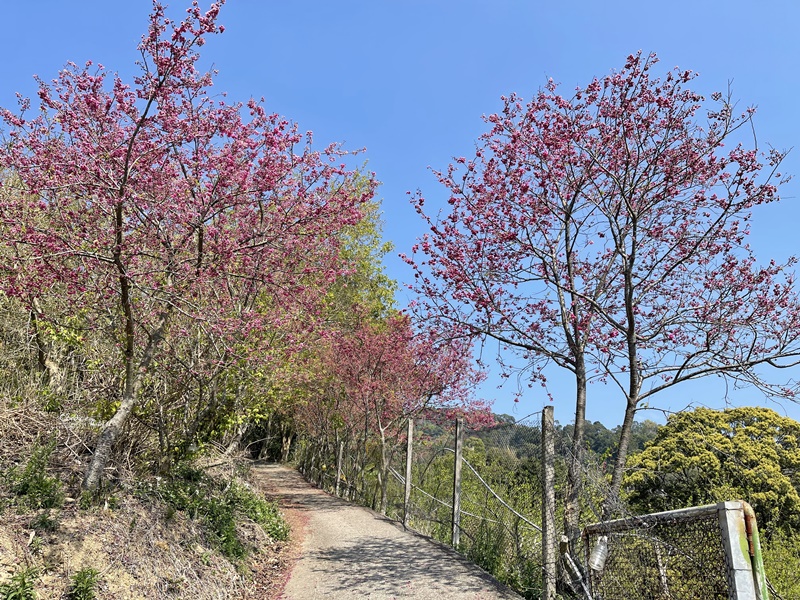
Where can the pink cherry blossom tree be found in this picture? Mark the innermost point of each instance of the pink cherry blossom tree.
(156, 209)
(605, 234)
(377, 375)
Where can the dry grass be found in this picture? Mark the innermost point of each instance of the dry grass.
(140, 548)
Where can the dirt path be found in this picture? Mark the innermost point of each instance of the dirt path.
(352, 552)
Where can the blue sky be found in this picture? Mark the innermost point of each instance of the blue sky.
(408, 81)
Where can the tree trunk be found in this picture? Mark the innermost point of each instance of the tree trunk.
(572, 509)
(634, 386)
(113, 428)
(286, 443)
(44, 353)
(612, 500)
(237, 440)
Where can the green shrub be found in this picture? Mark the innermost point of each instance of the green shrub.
(82, 586)
(21, 586)
(259, 510)
(218, 505)
(31, 484)
(44, 521)
(781, 561)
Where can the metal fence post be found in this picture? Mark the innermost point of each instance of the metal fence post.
(735, 540)
(548, 505)
(457, 483)
(409, 455)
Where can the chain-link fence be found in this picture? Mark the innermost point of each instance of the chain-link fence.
(500, 498)
(709, 553)
(498, 495)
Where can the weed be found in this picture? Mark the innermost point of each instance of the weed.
(86, 501)
(83, 584)
(36, 546)
(32, 485)
(44, 521)
(21, 586)
(218, 507)
(50, 401)
(89, 499)
(259, 510)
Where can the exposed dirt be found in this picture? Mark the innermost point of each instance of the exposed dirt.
(141, 550)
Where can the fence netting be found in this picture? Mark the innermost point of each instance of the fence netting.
(501, 504)
(500, 501)
(676, 559)
(501, 491)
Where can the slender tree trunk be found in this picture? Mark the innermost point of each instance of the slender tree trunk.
(113, 428)
(110, 434)
(237, 439)
(286, 442)
(634, 386)
(612, 499)
(572, 509)
(41, 352)
(44, 354)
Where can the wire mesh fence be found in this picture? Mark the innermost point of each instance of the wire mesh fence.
(500, 492)
(709, 552)
(500, 502)
(664, 560)
(499, 511)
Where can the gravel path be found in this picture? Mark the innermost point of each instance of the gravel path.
(352, 552)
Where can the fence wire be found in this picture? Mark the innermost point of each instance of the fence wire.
(676, 560)
(501, 491)
(501, 495)
(501, 506)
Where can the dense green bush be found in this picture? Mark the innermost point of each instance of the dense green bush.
(781, 553)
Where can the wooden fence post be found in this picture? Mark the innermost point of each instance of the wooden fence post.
(457, 483)
(409, 456)
(548, 504)
(339, 458)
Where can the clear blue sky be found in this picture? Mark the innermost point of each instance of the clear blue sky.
(409, 80)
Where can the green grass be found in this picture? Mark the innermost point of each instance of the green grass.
(218, 505)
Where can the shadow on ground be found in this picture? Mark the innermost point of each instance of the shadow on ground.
(391, 568)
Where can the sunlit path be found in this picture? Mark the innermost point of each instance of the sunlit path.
(353, 552)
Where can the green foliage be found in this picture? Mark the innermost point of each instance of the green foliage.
(218, 505)
(83, 583)
(51, 402)
(487, 547)
(90, 498)
(44, 521)
(604, 442)
(21, 586)
(708, 456)
(31, 484)
(259, 510)
(781, 554)
(367, 285)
